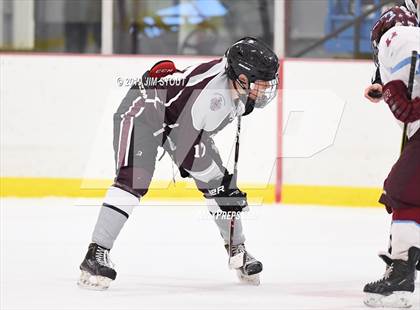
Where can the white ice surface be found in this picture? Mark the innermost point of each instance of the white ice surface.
(172, 257)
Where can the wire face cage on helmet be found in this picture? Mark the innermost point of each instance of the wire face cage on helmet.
(265, 94)
(412, 6)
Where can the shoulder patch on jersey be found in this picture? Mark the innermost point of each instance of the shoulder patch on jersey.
(216, 102)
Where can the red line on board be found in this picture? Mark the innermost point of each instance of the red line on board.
(279, 161)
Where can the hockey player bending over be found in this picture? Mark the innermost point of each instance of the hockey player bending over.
(394, 37)
(180, 111)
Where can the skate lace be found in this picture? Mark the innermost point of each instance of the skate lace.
(240, 248)
(386, 275)
(236, 249)
(103, 258)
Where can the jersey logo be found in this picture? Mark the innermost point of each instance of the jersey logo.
(216, 102)
(389, 40)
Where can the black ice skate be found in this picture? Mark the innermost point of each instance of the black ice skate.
(386, 257)
(248, 269)
(396, 287)
(97, 269)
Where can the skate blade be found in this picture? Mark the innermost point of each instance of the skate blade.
(249, 280)
(91, 282)
(395, 300)
(236, 261)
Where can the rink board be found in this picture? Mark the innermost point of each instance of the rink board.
(321, 143)
(167, 191)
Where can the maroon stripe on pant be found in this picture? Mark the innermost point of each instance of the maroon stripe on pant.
(125, 138)
(406, 214)
(126, 128)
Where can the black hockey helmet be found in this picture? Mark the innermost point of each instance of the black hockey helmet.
(254, 59)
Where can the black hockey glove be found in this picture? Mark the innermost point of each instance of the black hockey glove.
(228, 196)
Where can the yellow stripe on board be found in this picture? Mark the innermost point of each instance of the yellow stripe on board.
(166, 190)
(91, 188)
(331, 195)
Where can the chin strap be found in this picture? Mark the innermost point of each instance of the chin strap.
(244, 98)
(249, 106)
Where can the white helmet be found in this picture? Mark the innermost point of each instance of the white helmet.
(412, 6)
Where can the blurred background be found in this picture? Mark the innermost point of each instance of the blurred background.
(295, 28)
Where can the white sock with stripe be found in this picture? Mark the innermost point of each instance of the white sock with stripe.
(405, 234)
(116, 209)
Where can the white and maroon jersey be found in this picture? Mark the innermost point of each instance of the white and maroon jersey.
(395, 49)
(184, 110)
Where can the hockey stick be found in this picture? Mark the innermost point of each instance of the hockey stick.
(410, 92)
(235, 166)
(234, 178)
